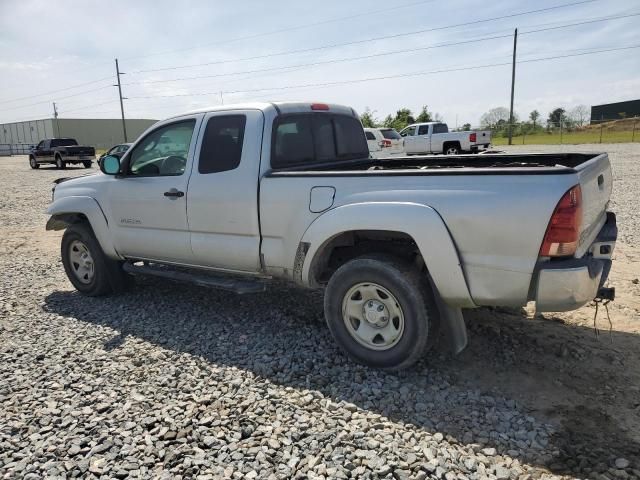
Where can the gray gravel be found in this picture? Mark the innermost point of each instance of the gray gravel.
(174, 381)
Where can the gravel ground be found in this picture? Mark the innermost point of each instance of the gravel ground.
(175, 381)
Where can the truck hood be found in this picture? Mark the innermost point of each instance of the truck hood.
(85, 185)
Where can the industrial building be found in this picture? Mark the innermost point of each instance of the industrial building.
(615, 111)
(98, 133)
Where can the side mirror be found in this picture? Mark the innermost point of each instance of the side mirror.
(110, 165)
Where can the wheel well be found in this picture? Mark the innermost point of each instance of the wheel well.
(57, 155)
(61, 221)
(349, 245)
(451, 144)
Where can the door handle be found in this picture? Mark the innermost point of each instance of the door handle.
(174, 193)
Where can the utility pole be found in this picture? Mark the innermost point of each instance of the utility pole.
(513, 83)
(124, 125)
(55, 116)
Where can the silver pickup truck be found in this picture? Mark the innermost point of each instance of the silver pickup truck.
(286, 190)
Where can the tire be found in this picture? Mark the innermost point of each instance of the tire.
(391, 337)
(32, 163)
(60, 164)
(85, 264)
(452, 149)
(86, 164)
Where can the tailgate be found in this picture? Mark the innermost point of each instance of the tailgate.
(79, 150)
(596, 183)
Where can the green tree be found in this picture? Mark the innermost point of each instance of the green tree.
(557, 116)
(534, 116)
(466, 127)
(425, 115)
(368, 120)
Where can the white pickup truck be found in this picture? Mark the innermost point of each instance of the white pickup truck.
(287, 190)
(434, 137)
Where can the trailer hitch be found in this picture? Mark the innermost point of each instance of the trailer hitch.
(606, 293)
(604, 296)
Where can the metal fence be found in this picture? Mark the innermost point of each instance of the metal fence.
(526, 133)
(8, 149)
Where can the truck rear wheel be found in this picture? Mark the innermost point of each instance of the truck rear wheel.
(380, 311)
(60, 163)
(451, 149)
(84, 261)
(86, 164)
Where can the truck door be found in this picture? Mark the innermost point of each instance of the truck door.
(410, 139)
(423, 139)
(438, 137)
(147, 205)
(223, 191)
(43, 151)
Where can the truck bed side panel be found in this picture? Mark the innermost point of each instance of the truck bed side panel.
(497, 222)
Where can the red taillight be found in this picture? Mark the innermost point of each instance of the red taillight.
(385, 143)
(319, 106)
(563, 232)
(472, 137)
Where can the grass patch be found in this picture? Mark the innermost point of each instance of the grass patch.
(582, 136)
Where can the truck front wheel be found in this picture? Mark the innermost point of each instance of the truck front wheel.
(380, 311)
(60, 163)
(84, 262)
(33, 163)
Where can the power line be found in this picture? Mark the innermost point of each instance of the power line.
(59, 90)
(322, 62)
(87, 106)
(386, 77)
(282, 30)
(58, 98)
(375, 55)
(357, 42)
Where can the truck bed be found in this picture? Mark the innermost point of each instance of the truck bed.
(530, 163)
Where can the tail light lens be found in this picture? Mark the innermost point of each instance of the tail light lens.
(385, 143)
(563, 232)
(472, 137)
(319, 106)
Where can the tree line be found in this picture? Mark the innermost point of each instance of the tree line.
(400, 120)
(497, 119)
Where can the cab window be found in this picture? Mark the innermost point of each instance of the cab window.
(222, 144)
(423, 130)
(408, 132)
(164, 151)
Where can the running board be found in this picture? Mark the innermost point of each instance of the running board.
(223, 282)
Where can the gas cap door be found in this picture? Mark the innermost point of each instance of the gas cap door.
(321, 199)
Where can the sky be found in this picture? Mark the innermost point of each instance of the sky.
(442, 54)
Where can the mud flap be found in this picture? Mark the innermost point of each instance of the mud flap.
(453, 327)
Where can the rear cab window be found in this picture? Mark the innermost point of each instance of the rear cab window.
(309, 138)
(390, 134)
(63, 142)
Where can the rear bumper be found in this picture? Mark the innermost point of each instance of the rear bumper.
(569, 284)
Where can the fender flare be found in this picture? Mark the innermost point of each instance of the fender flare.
(64, 211)
(421, 222)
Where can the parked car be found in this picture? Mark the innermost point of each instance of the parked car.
(399, 246)
(383, 142)
(434, 137)
(116, 150)
(60, 152)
